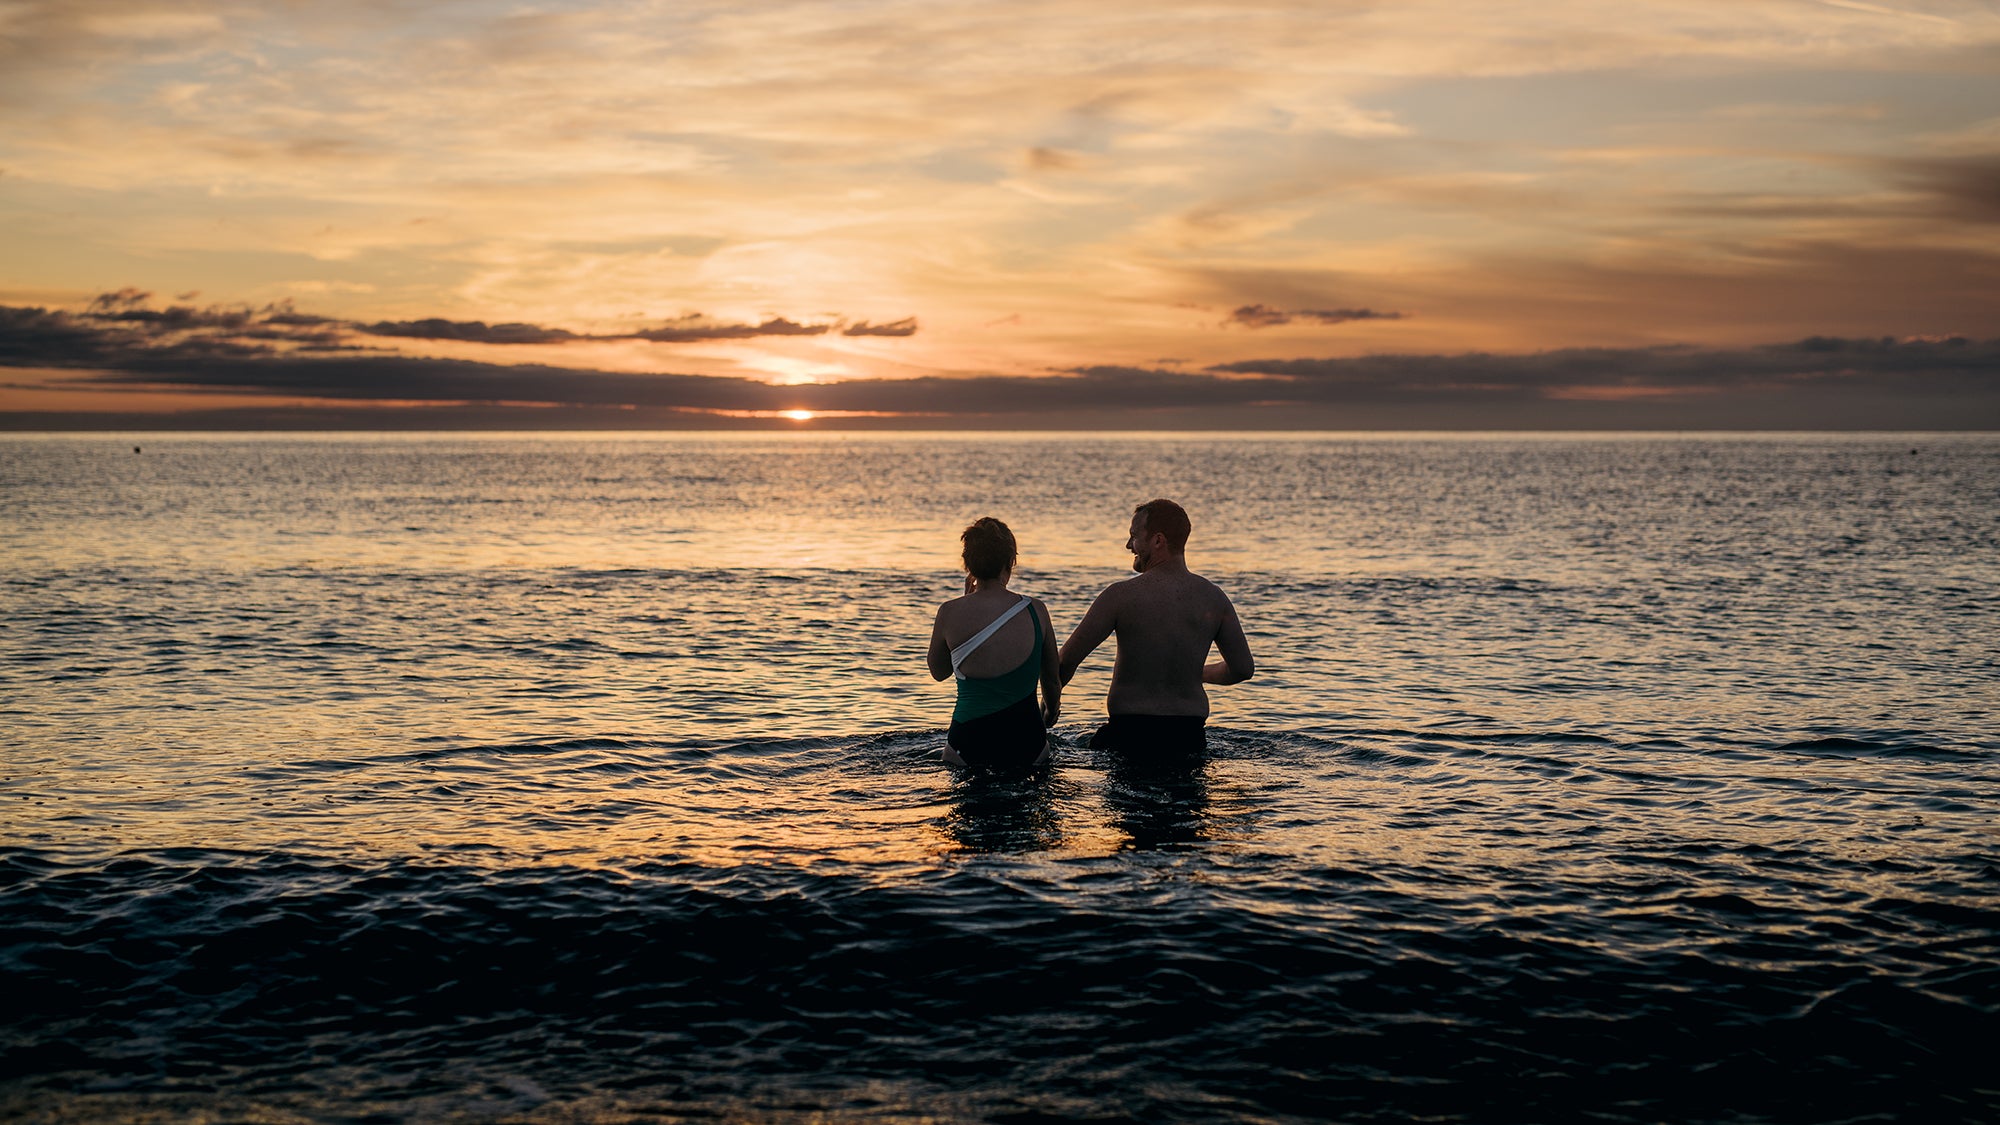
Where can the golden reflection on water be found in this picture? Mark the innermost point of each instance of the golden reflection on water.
(205, 623)
(810, 807)
(746, 500)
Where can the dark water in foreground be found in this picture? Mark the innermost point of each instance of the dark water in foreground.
(595, 779)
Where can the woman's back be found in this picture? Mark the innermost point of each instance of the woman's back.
(963, 618)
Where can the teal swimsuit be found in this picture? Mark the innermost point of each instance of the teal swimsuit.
(984, 697)
(996, 726)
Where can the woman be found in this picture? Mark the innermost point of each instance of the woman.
(998, 644)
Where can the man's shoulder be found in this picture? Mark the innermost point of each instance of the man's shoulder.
(1191, 580)
(1191, 589)
(1177, 585)
(1117, 589)
(1209, 586)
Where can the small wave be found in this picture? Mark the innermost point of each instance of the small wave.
(695, 987)
(1840, 747)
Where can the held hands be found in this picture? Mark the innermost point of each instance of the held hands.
(1051, 710)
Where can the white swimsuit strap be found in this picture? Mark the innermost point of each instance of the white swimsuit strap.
(959, 654)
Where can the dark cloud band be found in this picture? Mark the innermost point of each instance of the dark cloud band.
(126, 321)
(279, 353)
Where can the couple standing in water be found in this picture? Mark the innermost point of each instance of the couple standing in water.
(1000, 645)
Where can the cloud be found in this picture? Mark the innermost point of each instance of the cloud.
(1660, 289)
(686, 329)
(1338, 316)
(475, 331)
(696, 327)
(417, 379)
(123, 343)
(1258, 316)
(1946, 383)
(129, 306)
(1044, 159)
(32, 337)
(122, 327)
(1968, 187)
(1264, 316)
(904, 327)
(1886, 365)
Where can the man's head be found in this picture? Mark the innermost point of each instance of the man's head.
(1159, 532)
(989, 548)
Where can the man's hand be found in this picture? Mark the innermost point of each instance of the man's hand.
(1051, 710)
(1221, 674)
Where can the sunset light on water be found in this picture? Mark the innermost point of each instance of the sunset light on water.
(498, 529)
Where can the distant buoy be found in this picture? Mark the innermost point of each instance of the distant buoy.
(135, 449)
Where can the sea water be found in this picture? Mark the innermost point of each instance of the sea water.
(595, 778)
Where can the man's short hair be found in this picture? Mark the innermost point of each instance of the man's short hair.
(1167, 518)
(989, 548)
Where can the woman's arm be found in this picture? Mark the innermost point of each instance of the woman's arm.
(939, 657)
(1090, 632)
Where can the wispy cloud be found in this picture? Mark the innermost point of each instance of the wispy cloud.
(1964, 188)
(1894, 13)
(686, 329)
(1264, 316)
(904, 327)
(696, 327)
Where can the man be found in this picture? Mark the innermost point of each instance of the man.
(1165, 618)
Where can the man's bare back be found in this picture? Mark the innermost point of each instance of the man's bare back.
(1165, 618)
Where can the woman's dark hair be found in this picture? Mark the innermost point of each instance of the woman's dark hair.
(989, 548)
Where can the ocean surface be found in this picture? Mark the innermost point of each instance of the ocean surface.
(367, 778)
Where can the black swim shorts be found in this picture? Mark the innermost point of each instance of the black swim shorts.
(1153, 734)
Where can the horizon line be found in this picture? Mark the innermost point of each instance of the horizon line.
(807, 430)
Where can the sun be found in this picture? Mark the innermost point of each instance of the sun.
(797, 415)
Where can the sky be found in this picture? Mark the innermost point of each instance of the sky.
(1419, 214)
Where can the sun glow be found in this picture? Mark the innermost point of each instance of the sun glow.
(797, 415)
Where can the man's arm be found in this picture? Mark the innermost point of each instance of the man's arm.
(1236, 664)
(938, 659)
(1090, 632)
(1052, 683)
